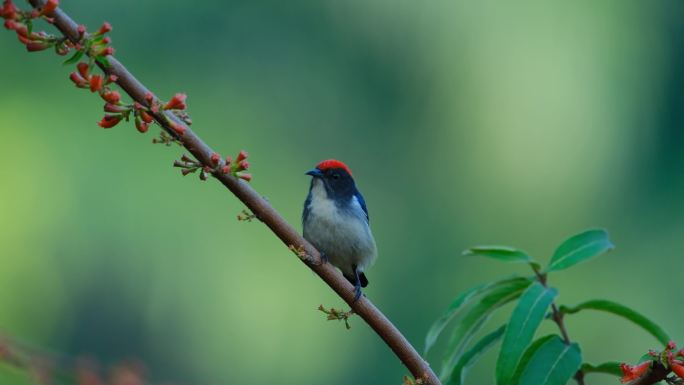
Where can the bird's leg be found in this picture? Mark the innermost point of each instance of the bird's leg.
(324, 258)
(357, 284)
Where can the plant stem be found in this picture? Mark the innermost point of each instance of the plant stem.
(401, 347)
(557, 317)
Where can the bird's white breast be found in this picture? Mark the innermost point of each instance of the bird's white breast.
(343, 235)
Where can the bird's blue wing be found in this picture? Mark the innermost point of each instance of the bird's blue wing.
(362, 202)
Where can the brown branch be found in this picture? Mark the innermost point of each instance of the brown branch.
(263, 210)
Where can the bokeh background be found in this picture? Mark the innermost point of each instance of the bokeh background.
(465, 122)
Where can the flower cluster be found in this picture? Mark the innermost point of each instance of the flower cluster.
(670, 358)
(237, 168)
(21, 22)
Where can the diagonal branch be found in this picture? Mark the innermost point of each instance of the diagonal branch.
(263, 210)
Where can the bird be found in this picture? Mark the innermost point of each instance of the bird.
(335, 221)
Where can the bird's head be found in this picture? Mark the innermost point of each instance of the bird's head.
(335, 177)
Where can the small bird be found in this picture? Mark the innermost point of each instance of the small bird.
(335, 221)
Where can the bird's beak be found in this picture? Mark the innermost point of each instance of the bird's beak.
(316, 173)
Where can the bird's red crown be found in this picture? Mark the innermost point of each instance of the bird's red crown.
(332, 163)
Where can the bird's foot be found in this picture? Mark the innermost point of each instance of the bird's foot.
(357, 292)
(324, 258)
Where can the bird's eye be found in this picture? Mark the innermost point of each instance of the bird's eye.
(336, 176)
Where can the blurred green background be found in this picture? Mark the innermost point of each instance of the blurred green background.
(465, 122)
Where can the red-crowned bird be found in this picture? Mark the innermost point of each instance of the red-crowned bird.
(335, 221)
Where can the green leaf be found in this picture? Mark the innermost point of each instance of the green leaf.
(622, 311)
(502, 253)
(527, 356)
(469, 358)
(579, 248)
(75, 57)
(606, 367)
(476, 317)
(553, 363)
(525, 320)
(457, 305)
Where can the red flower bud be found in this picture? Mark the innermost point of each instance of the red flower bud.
(106, 40)
(49, 7)
(114, 108)
(83, 69)
(678, 369)
(229, 159)
(671, 345)
(8, 11)
(215, 158)
(109, 121)
(245, 176)
(149, 98)
(241, 156)
(11, 24)
(81, 30)
(106, 52)
(176, 103)
(112, 97)
(244, 165)
(225, 169)
(37, 46)
(106, 27)
(631, 373)
(112, 79)
(147, 118)
(78, 80)
(141, 126)
(20, 29)
(95, 83)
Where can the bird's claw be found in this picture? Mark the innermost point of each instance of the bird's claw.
(357, 292)
(324, 258)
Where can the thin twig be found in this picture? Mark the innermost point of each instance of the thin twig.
(263, 210)
(557, 317)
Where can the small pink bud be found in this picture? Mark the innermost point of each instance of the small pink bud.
(149, 98)
(176, 103)
(141, 126)
(20, 29)
(108, 107)
(106, 27)
(109, 121)
(78, 80)
(49, 7)
(229, 159)
(37, 46)
(106, 52)
(244, 165)
(83, 69)
(225, 169)
(95, 83)
(215, 158)
(106, 40)
(147, 118)
(8, 11)
(112, 78)
(81, 30)
(245, 176)
(11, 24)
(671, 345)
